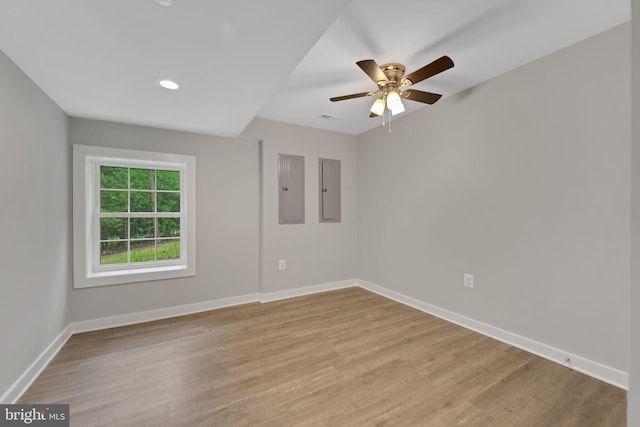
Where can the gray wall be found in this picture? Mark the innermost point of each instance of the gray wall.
(316, 253)
(522, 181)
(227, 217)
(35, 255)
(633, 397)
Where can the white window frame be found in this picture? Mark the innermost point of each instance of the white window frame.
(86, 223)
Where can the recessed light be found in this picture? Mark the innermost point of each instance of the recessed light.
(164, 2)
(168, 84)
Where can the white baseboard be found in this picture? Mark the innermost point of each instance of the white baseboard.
(605, 373)
(181, 310)
(31, 373)
(594, 369)
(161, 313)
(307, 290)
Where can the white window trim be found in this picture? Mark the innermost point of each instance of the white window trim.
(86, 272)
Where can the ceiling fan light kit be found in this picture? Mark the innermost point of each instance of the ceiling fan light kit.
(391, 82)
(378, 107)
(394, 103)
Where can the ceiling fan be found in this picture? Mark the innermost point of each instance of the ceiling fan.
(391, 82)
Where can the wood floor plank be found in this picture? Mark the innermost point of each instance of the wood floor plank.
(347, 357)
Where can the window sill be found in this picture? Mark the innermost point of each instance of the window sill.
(118, 277)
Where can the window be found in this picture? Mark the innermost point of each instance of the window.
(140, 216)
(134, 216)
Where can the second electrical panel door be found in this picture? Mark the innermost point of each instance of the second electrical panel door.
(329, 190)
(290, 189)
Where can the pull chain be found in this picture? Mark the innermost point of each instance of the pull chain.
(388, 116)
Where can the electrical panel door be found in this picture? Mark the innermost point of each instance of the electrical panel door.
(329, 190)
(290, 189)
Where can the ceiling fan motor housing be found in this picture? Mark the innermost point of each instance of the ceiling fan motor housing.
(394, 73)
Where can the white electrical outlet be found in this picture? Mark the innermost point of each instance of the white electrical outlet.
(468, 280)
(282, 264)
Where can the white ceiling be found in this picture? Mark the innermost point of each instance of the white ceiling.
(276, 59)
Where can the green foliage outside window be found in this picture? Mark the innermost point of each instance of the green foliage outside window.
(114, 177)
(168, 180)
(128, 239)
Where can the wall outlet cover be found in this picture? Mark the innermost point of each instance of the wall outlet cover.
(468, 280)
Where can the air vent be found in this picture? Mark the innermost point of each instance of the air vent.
(330, 116)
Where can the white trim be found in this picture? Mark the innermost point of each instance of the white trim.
(182, 310)
(589, 367)
(594, 369)
(307, 290)
(33, 371)
(161, 313)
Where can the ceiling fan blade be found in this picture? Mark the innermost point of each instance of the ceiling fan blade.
(355, 95)
(420, 96)
(372, 69)
(436, 67)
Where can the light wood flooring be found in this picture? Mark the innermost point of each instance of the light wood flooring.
(340, 358)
